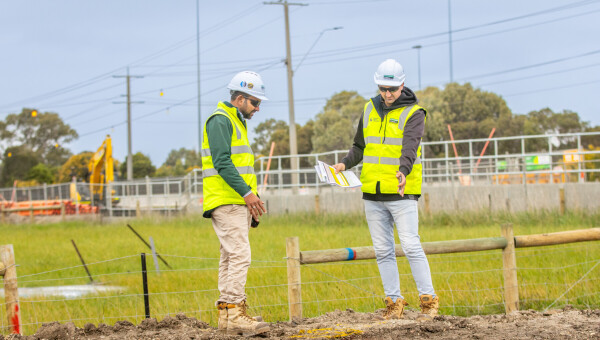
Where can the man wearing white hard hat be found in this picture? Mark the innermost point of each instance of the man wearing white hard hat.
(388, 142)
(231, 199)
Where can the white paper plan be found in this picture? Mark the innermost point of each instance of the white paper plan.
(345, 179)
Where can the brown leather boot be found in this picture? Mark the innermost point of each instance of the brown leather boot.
(394, 310)
(240, 323)
(429, 307)
(222, 325)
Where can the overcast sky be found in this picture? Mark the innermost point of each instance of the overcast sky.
(62, 55)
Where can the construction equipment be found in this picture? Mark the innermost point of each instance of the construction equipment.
(100, 173)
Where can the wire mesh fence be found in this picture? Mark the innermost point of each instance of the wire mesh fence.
(467, 284)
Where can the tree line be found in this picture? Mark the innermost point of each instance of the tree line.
(33, 143)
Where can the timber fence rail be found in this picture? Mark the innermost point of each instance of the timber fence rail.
(468, 283)
(507, 243)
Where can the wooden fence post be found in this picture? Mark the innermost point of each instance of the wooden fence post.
(509, 261)
(11, 294)
(427, 209)
(317, 205)
(292, 248)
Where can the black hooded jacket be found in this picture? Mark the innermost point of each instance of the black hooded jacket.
(413, 131)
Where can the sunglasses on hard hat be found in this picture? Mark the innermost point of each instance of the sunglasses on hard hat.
(254, 102)
(389, 89)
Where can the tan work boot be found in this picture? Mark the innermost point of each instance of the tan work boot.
(222, 325)
(240, 323)
(255, 318)
(394, 310)
(429, 307)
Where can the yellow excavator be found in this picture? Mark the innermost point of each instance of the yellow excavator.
(100, 173)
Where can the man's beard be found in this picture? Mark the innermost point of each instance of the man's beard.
(247, 115)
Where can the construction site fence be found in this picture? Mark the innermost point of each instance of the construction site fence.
(556, 158)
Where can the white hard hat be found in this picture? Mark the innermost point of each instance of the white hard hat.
(250, 83)
(389, 73)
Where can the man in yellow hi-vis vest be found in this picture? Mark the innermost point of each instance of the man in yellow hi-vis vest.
(231, 199)
(387, 141)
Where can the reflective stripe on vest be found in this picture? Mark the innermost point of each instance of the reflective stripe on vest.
(366, 117)
(403, 116)
(242, 170)
(386, 160)
(386, 140)
(234, 150)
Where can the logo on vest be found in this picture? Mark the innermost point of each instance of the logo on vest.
(393, 120)
(373, 119)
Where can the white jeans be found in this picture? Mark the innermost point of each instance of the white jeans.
(381, 217)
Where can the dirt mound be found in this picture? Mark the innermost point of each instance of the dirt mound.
(555, 324)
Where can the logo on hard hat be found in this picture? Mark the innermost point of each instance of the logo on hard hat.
(243, 84)
(388, 76)
(250, 86)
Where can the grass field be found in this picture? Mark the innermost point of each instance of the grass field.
(467, 283)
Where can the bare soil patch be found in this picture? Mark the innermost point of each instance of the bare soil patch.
(555, 324)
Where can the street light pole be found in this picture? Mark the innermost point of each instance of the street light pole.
(418, 48)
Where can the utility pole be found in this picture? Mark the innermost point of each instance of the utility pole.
(129, 155)
(450, 40)
(200, 132)
(290, 74)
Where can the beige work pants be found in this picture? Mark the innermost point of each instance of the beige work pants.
(232, 224)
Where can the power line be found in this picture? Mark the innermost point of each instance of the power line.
(552, 88)
(541, 75)
(532, 65)
(152, 56)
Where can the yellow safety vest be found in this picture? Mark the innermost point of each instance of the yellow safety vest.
(383, 148)
(215, 190)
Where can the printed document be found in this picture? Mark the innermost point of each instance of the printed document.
(345, 179)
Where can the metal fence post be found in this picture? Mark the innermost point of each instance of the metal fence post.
(280, 179)
(447, 163)
(145, 286)
(496, 161)
(471, 157)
